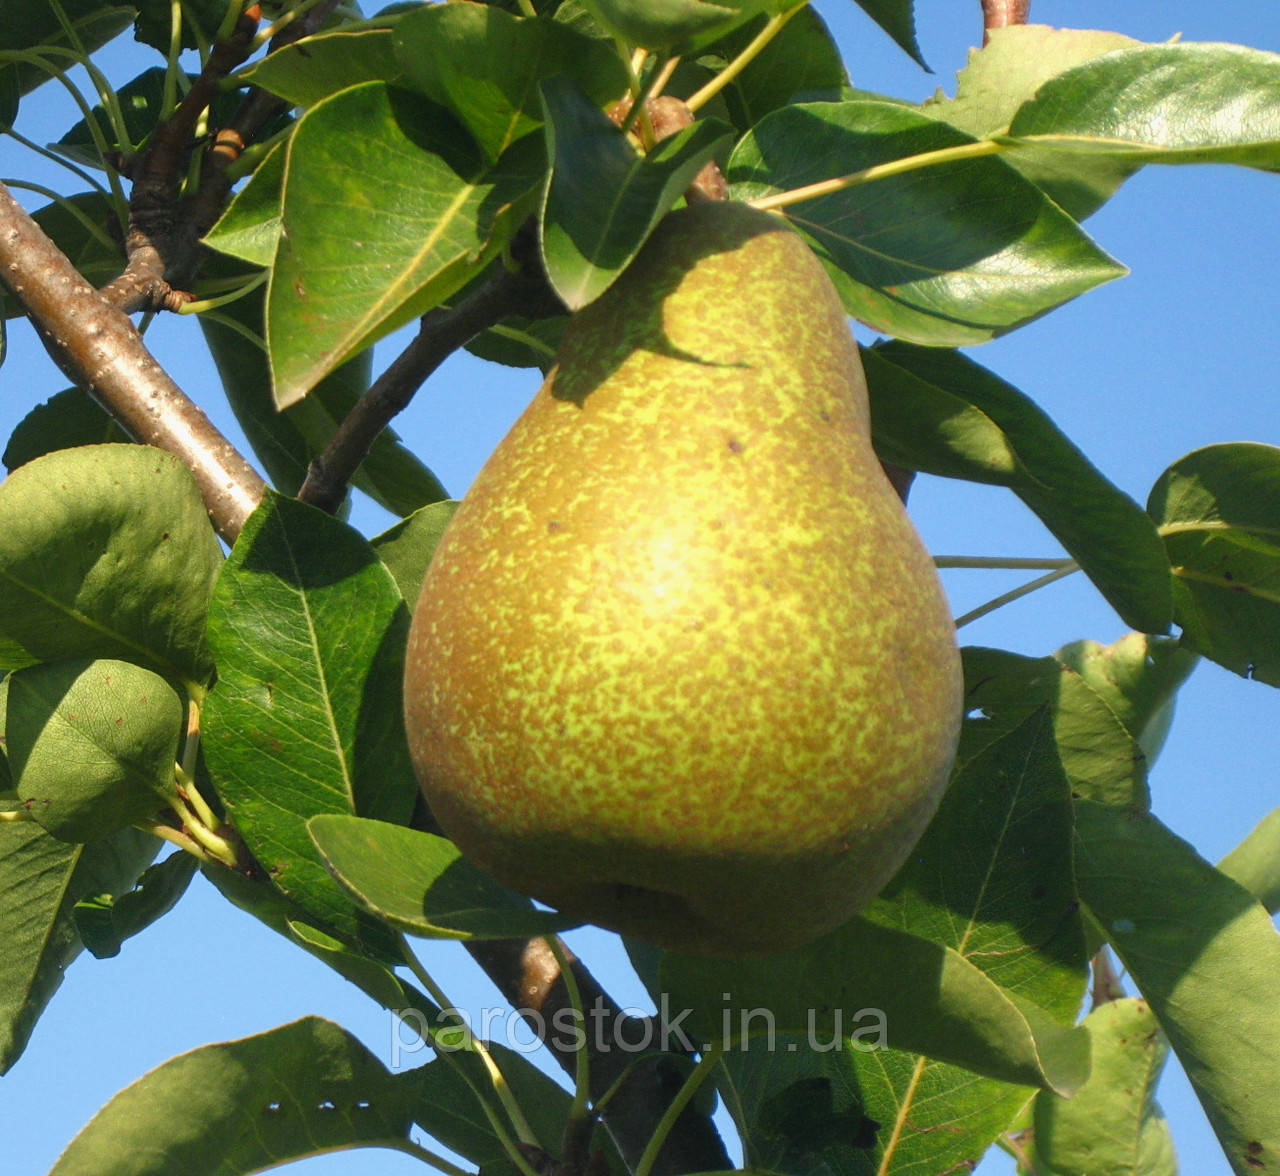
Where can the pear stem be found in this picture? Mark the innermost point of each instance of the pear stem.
(882, 171)
(699, 1074)
(773, 26)
(582, 1063)
(1008, 597)
(1009, 563)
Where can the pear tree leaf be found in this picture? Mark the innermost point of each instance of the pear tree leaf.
(201, 20)
(484, 65)
(675, 27)
(82, 25)
(92, 745)
(991, 880)
(104, 921)
(1181, 103)
(302, 1089)
(946, 255)
(1006, 73)
(1112, 1124)
(285, 442)
(1255, 862)
(1204, 954)
(984, 974)
(354, 260)
(106, 551)
(310, 70)
(309, 632)
(407, 547)
(898, 19)
(1102, 723)
(802, 59)
(422, 884)
(66, 420)
(604, 198)
(1218, 511)
(520, 342)
(938, 411)
(249, 228)
(42, 878)
(445, 1106)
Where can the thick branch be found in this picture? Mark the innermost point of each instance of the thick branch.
(999, 14)
(441, 333)
(100, 350)
(529, 978)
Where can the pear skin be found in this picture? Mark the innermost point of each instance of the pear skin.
(681, 666)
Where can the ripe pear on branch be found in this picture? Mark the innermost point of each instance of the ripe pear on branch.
(681, 665)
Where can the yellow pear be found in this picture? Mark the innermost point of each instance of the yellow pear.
(681, 666)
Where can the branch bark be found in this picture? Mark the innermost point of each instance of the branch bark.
(999, 14)
(99, 349)
(529, 978)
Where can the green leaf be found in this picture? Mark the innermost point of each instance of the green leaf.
(519, 342)
(92, 745)
(106, 551)
(801, 60)
(940, 412)
(1101, 722)
(249, 229)
(1204, 954)
(897, 18)
(1183, 103)
(1218, 510)
(1255, 862)
(313, 69)
(485, 64)
(286, 442)
(604, 198)
(446, 1107)
(948, 254)
(1003, 75)
(42, 879)
(66, 420)
(422, 884)
(1112, 1124)
(357, 259)
(104, 921)
(407, 547)
(675, 27)
(35, 24)
(303, 1089)
(991, 880)
(201, 20)
(309, 631)
(1137, 676)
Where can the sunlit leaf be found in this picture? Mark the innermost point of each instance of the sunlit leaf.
(356, 260)
(309, 632)
(241, 1106)
(1218, 510)
(948, 254)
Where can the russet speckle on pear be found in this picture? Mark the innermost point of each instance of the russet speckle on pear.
(681, 666)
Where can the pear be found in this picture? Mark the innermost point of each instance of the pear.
(681, 666)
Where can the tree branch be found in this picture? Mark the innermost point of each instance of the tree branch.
(99, 349)
(527, 974)
(441, 332)
(999, 14)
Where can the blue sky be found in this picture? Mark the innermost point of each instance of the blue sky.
(1178, 354)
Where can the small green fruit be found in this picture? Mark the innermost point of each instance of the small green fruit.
(681, 665)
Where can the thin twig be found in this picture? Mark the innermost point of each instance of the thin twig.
(999, 14)
(99, 349)
(441, 332)
(153, 210)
